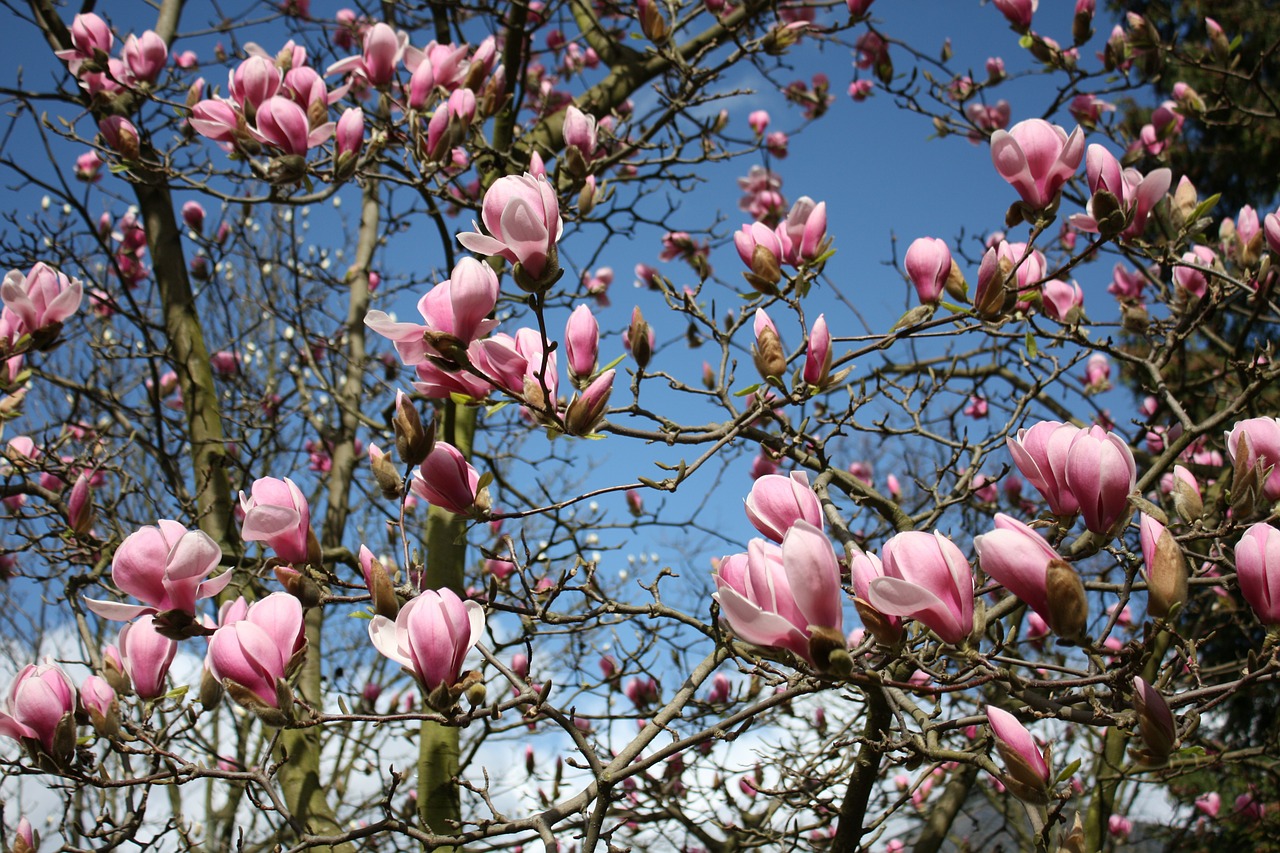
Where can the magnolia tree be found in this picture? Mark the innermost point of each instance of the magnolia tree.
(320, 472)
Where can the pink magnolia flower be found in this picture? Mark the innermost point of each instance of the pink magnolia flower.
(90, 37)
(88, 167)
(383, 50)
(447, 480)
(276, 512)
(1136, 193)
(282, 124)
(775, 503)
(803, 234)
(41, 702)
(455, 310)
(759, 120)
(350, 133)
(1088, 109)
(864, 568)
(1018, 559)
(1028, 772)
(580, 132)
(1259, 441)
(166, 567)
(253, 81)
(145, 56)
(450, 123)
(1257, 557)
(522, 214)
(1190, 276)
(1062, 300)
(193, 215)
(431, 636)
(217, 120)
(255, 652)
(1041, 455)
(1037, 158)
(581, 343)
(927, 578)
(817, 356)
(776, 596)
(42, 298)
(586, 410)
(1018, 12)
(978, 408)
(146, 654)
(1101, 474)
(761, 466)
(928, 263)
(186, 59)
(1097, 372)
(1209, 803)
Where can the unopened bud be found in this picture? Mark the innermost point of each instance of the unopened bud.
(210, 689)
(957, 288)
(413, 442)
(770, 360)
(1155, 724)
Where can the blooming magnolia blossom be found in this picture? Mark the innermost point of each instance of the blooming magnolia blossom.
(1256, 442)
(776, 502)
(778, 595)
(522, 215)
(276, 512)
(926, 578)
(447, 480)
(1037, 158)
(166, 567)
(1028, 772)
(455, 312)
(41, 702)
(1101, 474)
(1041, 455)
(42, 298)
(431, 636)
(1257, 557)
(255, 651)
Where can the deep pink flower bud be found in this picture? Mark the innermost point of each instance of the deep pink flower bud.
(817, 357)
(777, 502)
(422, 85)
(186, 59)
(1257, 557)
(858, 8)
(41, 697)
(760, 249)
(926, 578)
(758, 120)
(193, 215)
(276, 512)
(1037, 158)
(450, 123)
(585, 411)
(97, 695)
(522, 215)
(761, 466)
(928, 263)
(88, 167)
(1101, 474)
(520, 665)
(1028, 773)
(1097, 372)
(40, 299)
(1190, 276)
(256, 652)
(1018, 12)
(978, 407)
(1209, 803)
(580, 132)
(216, 120)
(350, 135)
(1041, 455)
(145, 56)
(80, 506)
(431, 636)
(581, 343)
(166, 567)
(776, 143)
(120, 136)
(779, 596)
(146, 654)
(448, 481)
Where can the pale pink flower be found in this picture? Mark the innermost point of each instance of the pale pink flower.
(522, 216)
(276, 512)
(166, 567)
(1037, 158)
(431, 636)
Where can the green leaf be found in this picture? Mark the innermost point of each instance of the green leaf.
(176, 693)
(497, 407)
(485, 479)
(611, 365)
(1032, 349)
(822, 259)
(362, 614)
(750, 389)
(461, 399)
(1026, 41)
(1204, 207)
(1069, 771)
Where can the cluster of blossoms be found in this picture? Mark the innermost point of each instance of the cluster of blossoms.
(456, 351)
(35, 307)
(105, 77)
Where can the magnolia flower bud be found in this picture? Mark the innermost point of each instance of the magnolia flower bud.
(1068, 604)
(1155, 724)
(1165, 569)
(413, 443)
